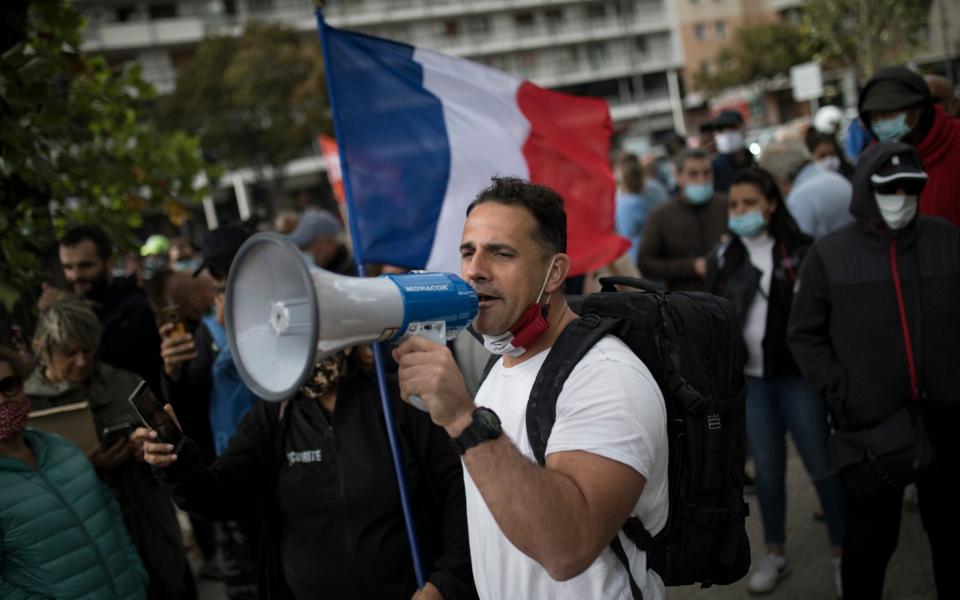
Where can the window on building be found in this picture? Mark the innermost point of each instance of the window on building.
(553, 18)
(640, 46)
(162, 11)
(700, 31)
(477, 26)
(527, 62)
(523, 21)
(721, 29)
(450, 28)
(125, 13)
(229, 7)
(596, 11)
(597, 54)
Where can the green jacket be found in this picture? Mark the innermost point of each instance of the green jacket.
(61, 534)
(146, 505)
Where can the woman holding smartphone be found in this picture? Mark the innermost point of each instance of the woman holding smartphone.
(62, 536)
(65, 342)
(314, 476)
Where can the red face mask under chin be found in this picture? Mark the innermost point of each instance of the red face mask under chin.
(531, 325)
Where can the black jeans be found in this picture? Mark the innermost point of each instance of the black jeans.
(873, 524)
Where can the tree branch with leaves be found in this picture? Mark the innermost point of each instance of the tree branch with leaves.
(74, 146)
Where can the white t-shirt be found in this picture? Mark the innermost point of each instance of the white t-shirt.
(609, 406)
(755, 321)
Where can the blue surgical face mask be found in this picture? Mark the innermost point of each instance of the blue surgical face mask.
(698, 193)
(748, 225)
(891, 130)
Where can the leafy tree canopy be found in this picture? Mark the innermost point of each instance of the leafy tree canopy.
(758, 53)
(866, 34)
(255, 100)
(74, 147)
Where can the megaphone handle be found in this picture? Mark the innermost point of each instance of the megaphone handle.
(388, 419)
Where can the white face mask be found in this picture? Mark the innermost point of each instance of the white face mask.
(729, 141)
(831, 163)
(897, 211)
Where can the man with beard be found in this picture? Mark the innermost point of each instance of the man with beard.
(543, 532)
(130, 340)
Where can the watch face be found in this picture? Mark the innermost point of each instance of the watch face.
(488, 419)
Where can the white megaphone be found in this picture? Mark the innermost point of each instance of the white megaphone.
(283, 315)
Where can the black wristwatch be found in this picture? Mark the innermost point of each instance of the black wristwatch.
(485, 426)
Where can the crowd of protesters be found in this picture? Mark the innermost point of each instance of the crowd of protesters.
(843, 268)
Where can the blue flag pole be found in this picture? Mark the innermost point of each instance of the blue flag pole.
(388, 417)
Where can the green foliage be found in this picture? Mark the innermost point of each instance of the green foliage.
(756, 54)
(255, 100)
(866, 34)
(74, 148)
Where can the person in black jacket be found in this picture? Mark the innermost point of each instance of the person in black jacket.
(756, 269)
(876, 328)
(130, 341)
(315, 473)
(211, 403)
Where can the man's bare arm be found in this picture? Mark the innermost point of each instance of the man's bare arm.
(563, 515)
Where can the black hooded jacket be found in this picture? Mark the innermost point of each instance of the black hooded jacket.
(318, 494)
(731, 274)
(130, 340)
(846, 330)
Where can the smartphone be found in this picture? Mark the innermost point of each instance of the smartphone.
(150, 410)
(110, 435)
(171, 314)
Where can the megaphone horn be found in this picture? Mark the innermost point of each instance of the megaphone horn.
(283, 315)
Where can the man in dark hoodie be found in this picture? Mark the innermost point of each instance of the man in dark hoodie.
(897, 106)
(875, 328)
(732, 153)
(130, 339)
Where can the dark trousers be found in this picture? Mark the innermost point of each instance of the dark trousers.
(873, 526)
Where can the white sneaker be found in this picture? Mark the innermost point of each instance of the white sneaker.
(768, 573)
(837, 579)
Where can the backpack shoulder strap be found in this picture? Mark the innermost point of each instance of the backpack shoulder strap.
(572, 345)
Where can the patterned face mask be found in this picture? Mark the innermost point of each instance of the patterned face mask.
(323, 379)
(13, 417)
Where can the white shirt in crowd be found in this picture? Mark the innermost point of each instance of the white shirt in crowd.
(610, 406)
(755, 322)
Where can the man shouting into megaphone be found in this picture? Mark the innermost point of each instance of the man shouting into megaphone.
(543, 532)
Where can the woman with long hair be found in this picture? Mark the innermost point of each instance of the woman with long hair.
(756, 269)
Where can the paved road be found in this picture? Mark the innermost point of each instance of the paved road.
(908, 578)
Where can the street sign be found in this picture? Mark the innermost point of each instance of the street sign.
(807, 81)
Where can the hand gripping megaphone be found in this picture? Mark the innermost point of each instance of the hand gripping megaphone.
(283, 315)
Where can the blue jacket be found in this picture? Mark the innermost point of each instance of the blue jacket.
(61, 532)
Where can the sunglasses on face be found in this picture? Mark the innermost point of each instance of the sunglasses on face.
(11, 386)
(911, 188)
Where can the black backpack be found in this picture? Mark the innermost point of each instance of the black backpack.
(692, 344)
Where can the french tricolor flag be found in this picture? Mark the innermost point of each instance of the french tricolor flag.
(421, 133)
